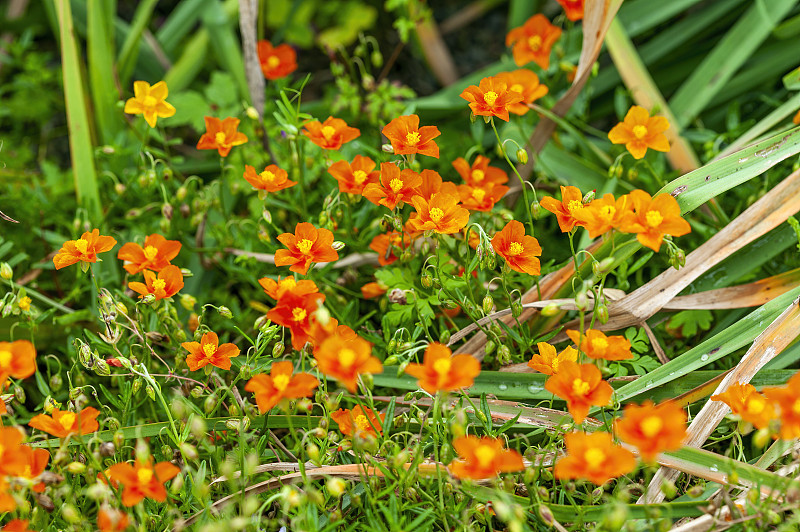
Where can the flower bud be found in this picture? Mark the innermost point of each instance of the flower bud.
(387, 148)
(102, 368)
(336, 486)
(516, 309)
(225, 312)
(6, 272)
(550, 310)
(338, 245)
(601, 312)
(488, 304)
(391, 360)
(278, 349)
(252, 113)
(489, 347)
(444, 337)
(76, 468)
(426, 280)
(151, 392)
(522, 155)
(504, 355)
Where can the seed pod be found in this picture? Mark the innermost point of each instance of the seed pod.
(489, 347)
(151, 392)
(278, 349)
(488, 304)
(504, 355)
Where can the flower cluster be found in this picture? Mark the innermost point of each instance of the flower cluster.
(775, 409)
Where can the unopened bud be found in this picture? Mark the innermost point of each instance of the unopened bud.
(338, 245)
(489, 347)
(550, 310)
(151, 392)
(251, 113)
(6, 272)
(76, 468)
(278, 349)
(387, 148)
(488, 304)
(225, 312)
(536, 210)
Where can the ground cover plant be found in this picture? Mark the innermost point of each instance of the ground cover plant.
(355, 265)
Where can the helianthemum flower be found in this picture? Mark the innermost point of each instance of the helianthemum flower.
(330, 134)
(786, 399)
(479, 173)
(604, 214)
(276, 62)
(481, 198)
(62, 423)
(652, 218)
(533, 41)
(277, 289)
(307, 245)
(372, 290)
(432, 184)
(7, 501)
(639, 131)
(442, 371)
(526, 83)
(573, 8)
(166, 283)
(595, 344)
(221, 135)
(491, 98)
(441, 214)
(481, 458)
(150, 102)
(565, 210)
(395, 186)
(519, 251)
(155, 255)
(17, 525)
(386, 244)
(209, 351)
(270, 179)
(548, 362)
(581, 386)
(345, 360)
(17, 360)
(33, 465)
(12, 458)
(652, 428)
(111, 520)
(353, 177)
(280, 384)
(747, 403)
(358, 422)
(83, 250)
(408, 138)
(294, 311)
(593, 457)
(143, 479)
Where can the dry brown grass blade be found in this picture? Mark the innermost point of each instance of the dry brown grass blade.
(745, 295)
(248, 20)
(766, 346)
(436, 52)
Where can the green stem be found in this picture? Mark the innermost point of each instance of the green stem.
(516, 172)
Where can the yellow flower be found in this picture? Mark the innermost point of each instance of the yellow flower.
(149, 101)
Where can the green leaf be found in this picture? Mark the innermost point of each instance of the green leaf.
(687, 322)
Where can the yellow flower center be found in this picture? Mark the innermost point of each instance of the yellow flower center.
(144, 475)
(639, 131)
(149, 101)
(362, 422)
(607, 212)
(209, 350)
(82, 245)
(490, 97)
(305, 246)
(220, 137)
(150, 252)
(651, 426)
(515, 249)
(478, 175)
(359, 176)
(485, 455)
(5, 358)
(594, 458)
(267, 176)
(413, 138)
(67, 420)
(281, 381)
(756, 404)
(796, 407)
(273, 61)
(516, 87)
(299, 314)
(478, 194)
(328, 132)
(347, 357)
(654, 218)
(574, 205)
(436, 214)
(395, 184)
(599, 344)
(24, 303)
(159, 284)
(580, 387)
(535, 42)
(442, 366)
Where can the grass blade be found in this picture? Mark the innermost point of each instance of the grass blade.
(100, 49)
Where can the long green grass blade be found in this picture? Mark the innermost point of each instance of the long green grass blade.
(180, 22)
(225, 44)
(100, 48)
(130, 48)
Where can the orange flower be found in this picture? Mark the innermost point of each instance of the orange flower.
(747, 403)
(17, 359)
(483, 198)
(353, 177)
(581, 386)
(208, 351)
(565, 210)
(221, 135)
(441, 371)
(276, 62)
(787, 400)
(432, 184)
(548, 362)
(796, 118)
(34, 462)
(526, 83)
(639, 131)
(7, 502)
(652, 218)
(372, 290)
(330, 134)
(12, 458)
(593, 457)
(395, 187)
(272, 179)
(479, 174)
(573, 8)
(156, 254)
(276, 289)
(63, 423)
(295, 311)
(441, 214)
(386, 244)
(533, 40)
(83, 250)
(481, 458)
(320, 332)
(597, 345)
(111, 520)
(408, 138)
(17, 525)
(150, 102)
(280, 384)
(357, 422)
(652, 428)
(167, 283)
(345, 360)
(603, 214)
(308, 244)
(519, 251)
(143, 479)
(491, 98)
